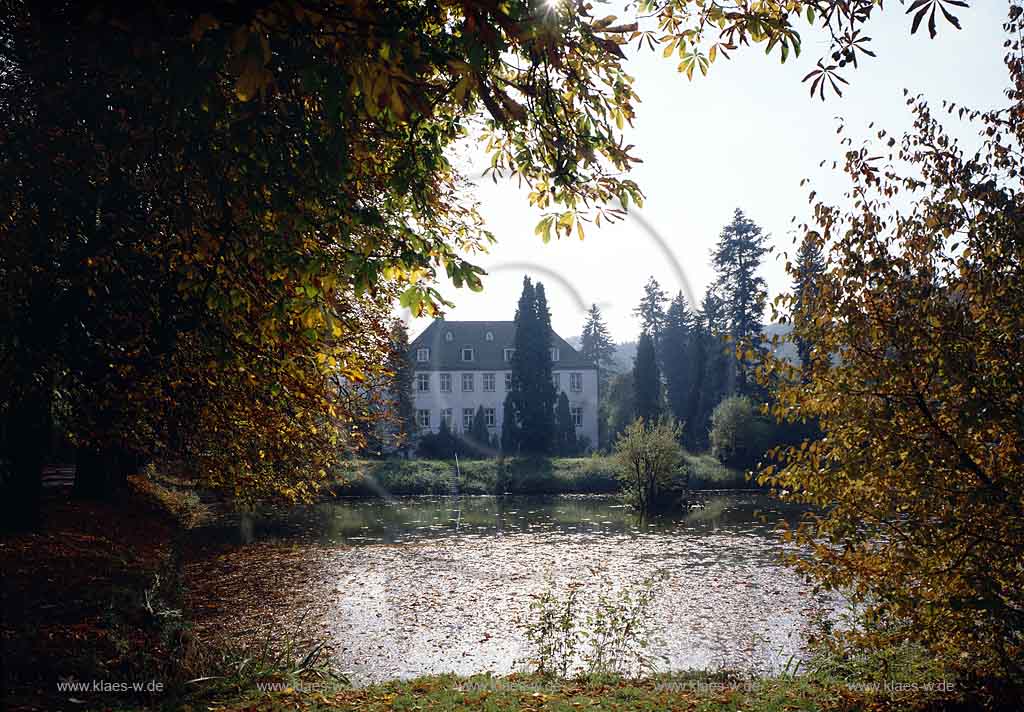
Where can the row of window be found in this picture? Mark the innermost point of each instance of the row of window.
(468, 354)
(423, 418)
(469, 382)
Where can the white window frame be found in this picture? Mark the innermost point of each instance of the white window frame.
(446, 417)
(508, 354)
(449, 336)
(489, 336)
(576, 382)
(576, 412)
(489, 383)
(508, 381)
(472, 354)
(423, 383)
(555, 354)
(423, 418)
(556, 381)
(467, 419)
(422, 355)
(469, 378)
(490, 417)
(446, 378)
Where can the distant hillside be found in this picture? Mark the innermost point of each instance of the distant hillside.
(626, 351)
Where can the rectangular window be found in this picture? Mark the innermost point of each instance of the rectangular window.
(508, 381)
(467, 353)
(556, 381)
(554, 354)
(423, 382)
(489, 417)
(446, 383)
(509, 354)
(489, 383)
(467, 381)
(446, 417)
(423, 419)
(577, 416)
(467, 419)
(576, 382)
(422, 355)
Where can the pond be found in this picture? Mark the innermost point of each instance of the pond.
(428, 585)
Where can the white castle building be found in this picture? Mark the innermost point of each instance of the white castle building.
(461, 365)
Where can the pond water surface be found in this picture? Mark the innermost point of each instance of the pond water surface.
(428, 585)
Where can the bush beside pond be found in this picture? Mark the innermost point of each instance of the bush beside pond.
(570, 475)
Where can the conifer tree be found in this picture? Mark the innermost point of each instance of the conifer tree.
(810, 264)
(679, 358)
(736, 259)
(564, 427)
(597, 346)
(479, 437)
(647, 380)
(532, 391)
(714, 367)
(651, 310)
(509, 427)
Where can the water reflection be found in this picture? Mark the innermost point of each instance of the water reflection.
(429, 585)
(408, 520)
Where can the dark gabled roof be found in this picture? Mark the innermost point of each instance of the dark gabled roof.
(489, 355)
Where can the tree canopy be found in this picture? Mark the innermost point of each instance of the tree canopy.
(917, 381)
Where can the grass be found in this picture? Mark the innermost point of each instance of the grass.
(689, 691)
(578, 475)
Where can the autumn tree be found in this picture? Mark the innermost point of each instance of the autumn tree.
(918, 479)
(648, 456)
(210, 205)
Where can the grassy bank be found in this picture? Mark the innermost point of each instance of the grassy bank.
(580, 475)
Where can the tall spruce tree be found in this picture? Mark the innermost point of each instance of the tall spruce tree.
(597, 347)
(509, 426)
(646, 380)
(737, 258)
(680, 359)
(651, 310)
(810, 265)
(715, 366)
(532, 391)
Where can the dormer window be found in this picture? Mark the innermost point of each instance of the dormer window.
(422, 355)
(554, 354)
(509, 354)
(449, 336)
(489, 336)
(467, 353)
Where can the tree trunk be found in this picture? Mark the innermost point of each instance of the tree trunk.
(99, 472)
(29, 429)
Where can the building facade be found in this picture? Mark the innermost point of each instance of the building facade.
(462, 365)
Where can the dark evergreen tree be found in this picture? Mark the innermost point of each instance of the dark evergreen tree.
(533, 394)
(679, 356)
(597, 346)
(401, 367)
(619, 406)
(547, 396)
(509, 427)
(441, 445)
(651, 310)
(810, 265)
(565, 429)
(646, 380)
(736, 259)
(714, 366)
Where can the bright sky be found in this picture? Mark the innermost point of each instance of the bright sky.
(744, 136)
